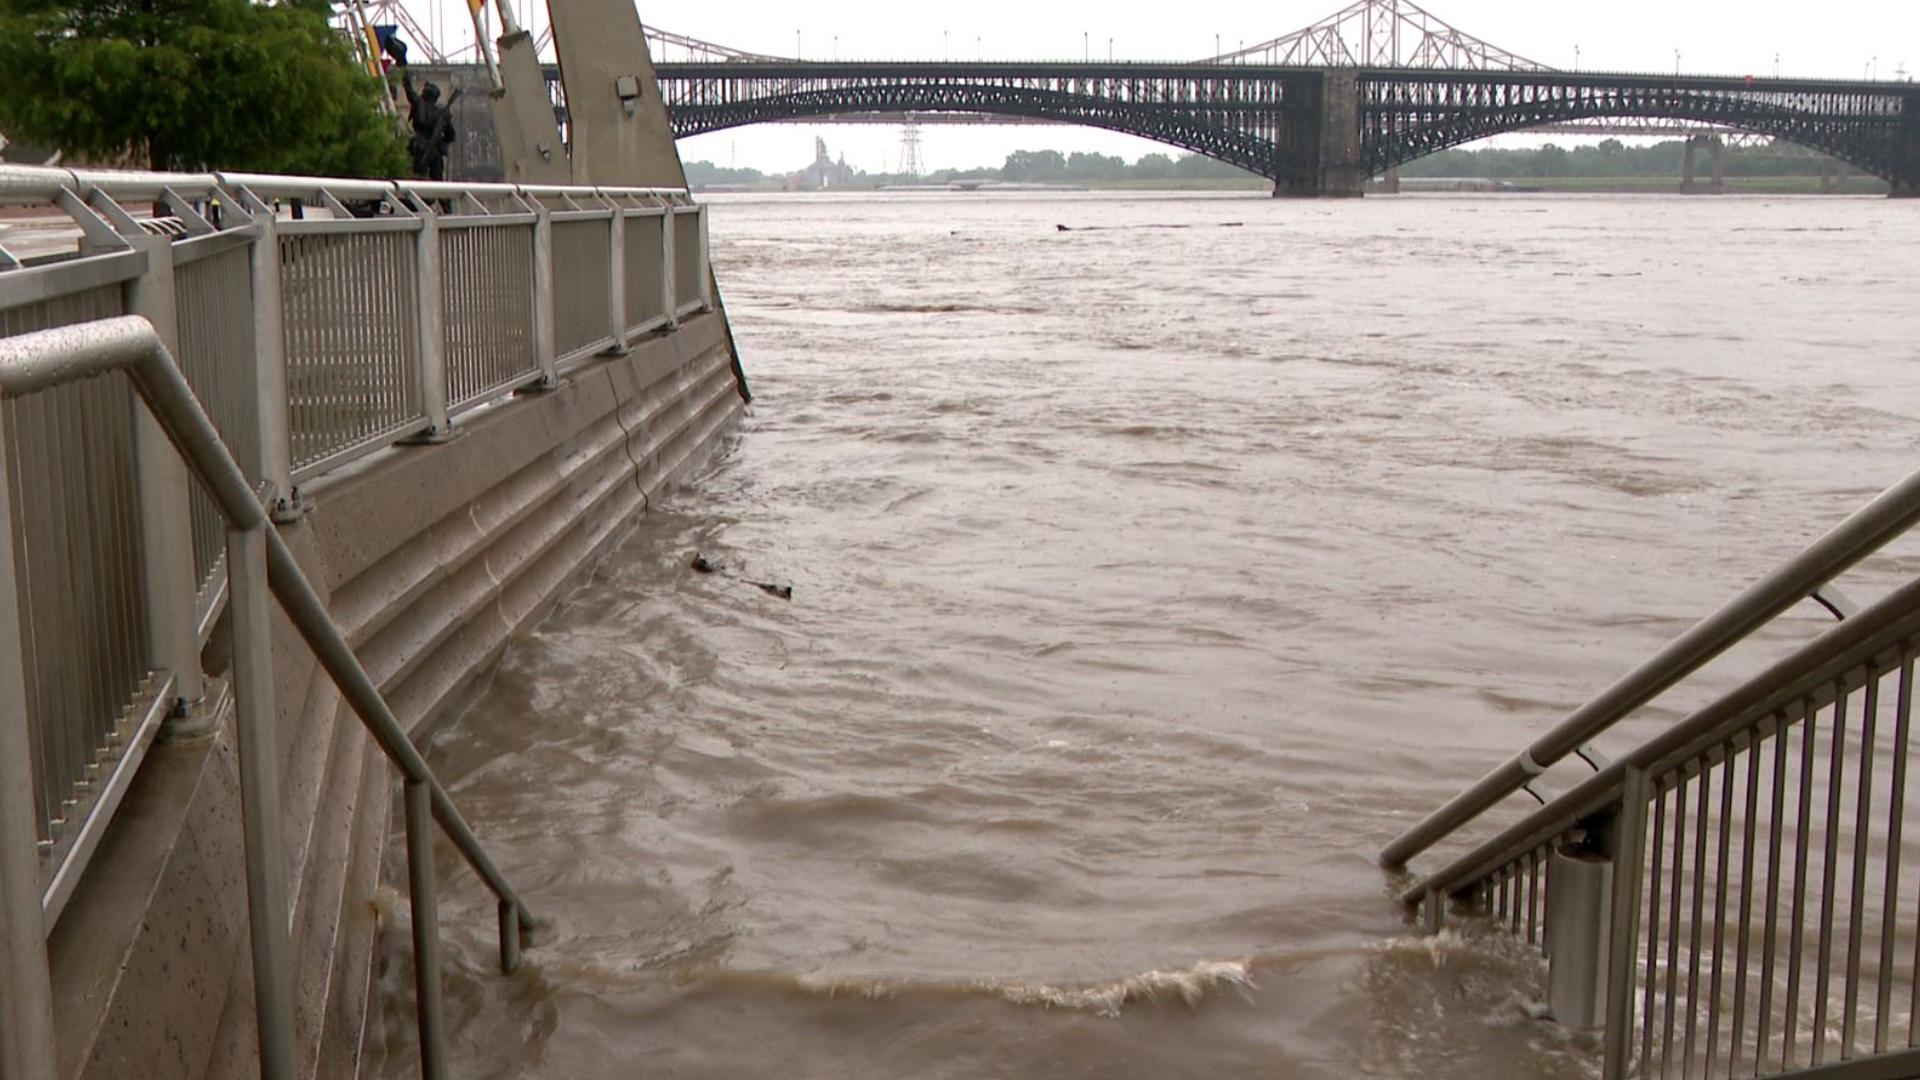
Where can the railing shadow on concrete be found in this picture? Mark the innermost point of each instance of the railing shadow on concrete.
(319, 321)
(1674, 891)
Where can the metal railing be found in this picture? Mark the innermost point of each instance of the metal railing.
(85, 357)
(1726, 898)
(318, 321)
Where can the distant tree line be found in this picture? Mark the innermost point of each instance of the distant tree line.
(1613, 158)
(1022, 166)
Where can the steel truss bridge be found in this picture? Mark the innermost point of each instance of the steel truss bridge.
(1375, 86)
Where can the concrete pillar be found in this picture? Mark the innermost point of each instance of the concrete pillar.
(1390, 183)
(1718, 155)
(1687, 165)
(1322, 138)
(1826, 176)
(1905, 189)
(530, 148)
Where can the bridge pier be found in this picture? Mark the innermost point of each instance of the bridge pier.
(1717, 150)
(1324, 125)
(1905, 189)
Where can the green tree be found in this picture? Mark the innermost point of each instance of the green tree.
(193, 84)
(1034, 165)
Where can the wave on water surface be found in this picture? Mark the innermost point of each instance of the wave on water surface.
(1188, 986)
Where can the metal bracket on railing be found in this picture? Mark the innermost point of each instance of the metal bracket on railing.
(184, 210)
(1593, 757)
(94, 229)
(7, 259)
(1837, 603)
(1537, 797)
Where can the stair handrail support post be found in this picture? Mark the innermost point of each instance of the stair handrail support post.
(423, 895)
(267, 910)
(166, 531)
(431, 349)
(1626, 843)
(26, 984)
(269, 368)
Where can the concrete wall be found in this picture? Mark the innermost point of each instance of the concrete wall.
(432, 558)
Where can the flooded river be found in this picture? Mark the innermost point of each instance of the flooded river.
(1148, 576)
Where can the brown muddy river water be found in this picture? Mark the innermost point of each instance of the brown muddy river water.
(1148, 577)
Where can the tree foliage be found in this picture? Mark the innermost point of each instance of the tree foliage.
(193, 84)
(1611, 159)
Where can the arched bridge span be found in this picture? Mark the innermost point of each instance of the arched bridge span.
(1311, 130)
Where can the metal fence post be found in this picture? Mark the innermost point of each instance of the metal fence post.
(433, 325)
(26, 990)
(269, 369)
(260, 800)
(669, 284)
(1629, 842)
(424, 900)
(706, 265)
(543, 328)
(166, 527)
(617, 274)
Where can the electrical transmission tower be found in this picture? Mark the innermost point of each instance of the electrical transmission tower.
(910, 151)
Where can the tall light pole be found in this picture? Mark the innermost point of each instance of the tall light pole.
(836, 47)
(1576, 58)
(943, 45)
(1776, 65)
(1086, 49)
(1676, 61)
(1109, 50)
(796, 45)
(1216, 45)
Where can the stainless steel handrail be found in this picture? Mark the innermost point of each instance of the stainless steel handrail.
(1812, 674)
(1867, 530)
(33, 362)
(40, 183)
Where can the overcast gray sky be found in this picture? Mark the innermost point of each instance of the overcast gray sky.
(1832, 38)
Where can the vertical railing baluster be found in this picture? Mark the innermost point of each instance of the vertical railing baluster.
(1697, 912)
(1862, 830)
(1790, 1019)
(1714, 984)
(1829, 872)
(1776, 831)
(1674, 890)
(1655, 867)
(1896, 810)
(1745, 937)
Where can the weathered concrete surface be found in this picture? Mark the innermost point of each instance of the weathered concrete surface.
(1324, 124)
(618, 138)
(432, 558)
